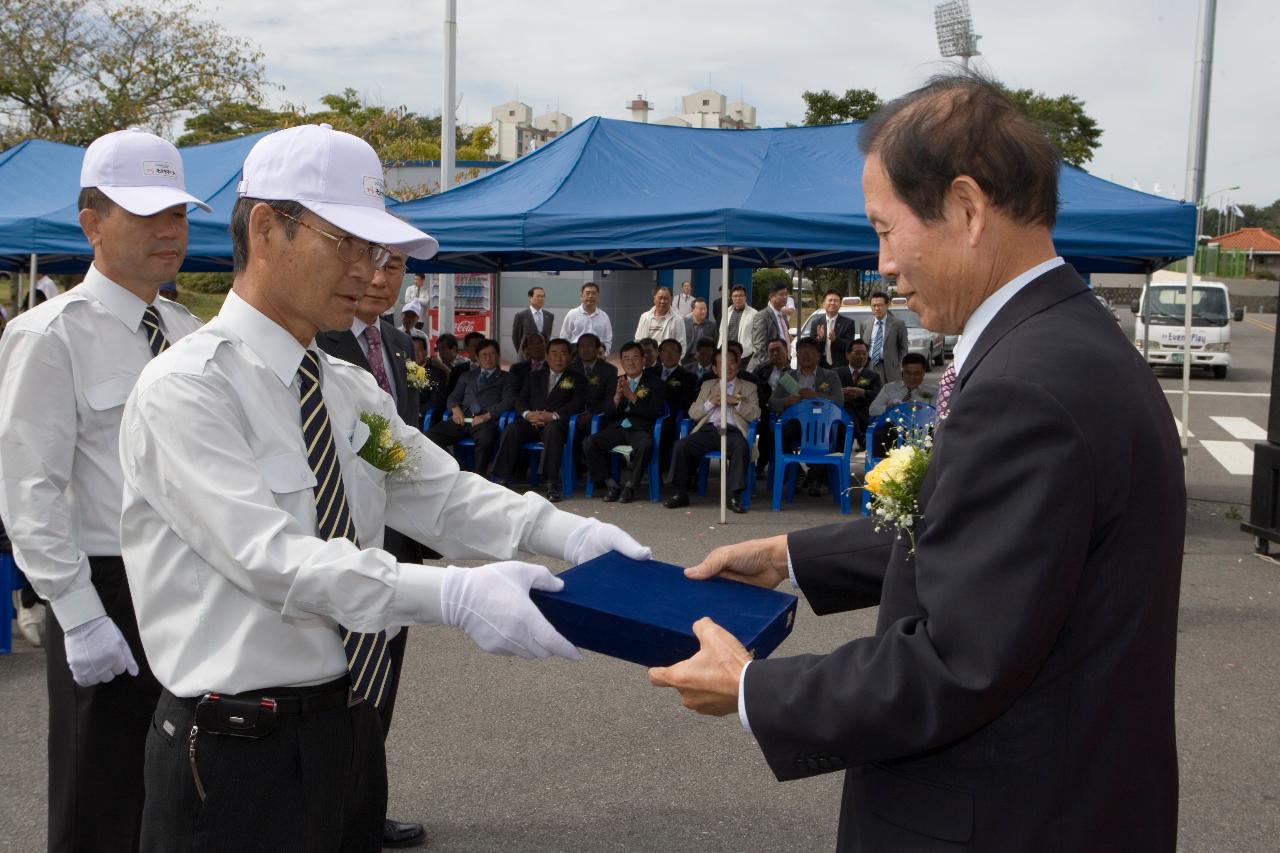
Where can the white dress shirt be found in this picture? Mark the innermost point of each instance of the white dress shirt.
(660, 328)
(682, 303)
(578, 322)
(717, 412)
(66, 368)
(973, 328)
(233, 589)
(357, 328)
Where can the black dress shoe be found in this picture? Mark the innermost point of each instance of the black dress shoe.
(612, 495)
(735, 505)
(554, 496)
(676, 501)
(397, 834)
(628, 495)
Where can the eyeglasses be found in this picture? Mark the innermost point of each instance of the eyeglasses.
(351, 250)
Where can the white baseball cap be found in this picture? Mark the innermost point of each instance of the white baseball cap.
(336, 176)
(414, 307)
(138, 171)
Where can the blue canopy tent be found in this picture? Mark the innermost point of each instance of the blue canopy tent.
(39, 183)
(620, 195)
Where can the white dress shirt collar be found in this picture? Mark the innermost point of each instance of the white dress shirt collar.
(986, 312)
(358, 326)
(121, 302)
(278, 349)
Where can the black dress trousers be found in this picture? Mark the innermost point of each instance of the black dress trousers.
(96, 734)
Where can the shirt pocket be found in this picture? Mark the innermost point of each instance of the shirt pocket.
(109, 394)
(285, 473)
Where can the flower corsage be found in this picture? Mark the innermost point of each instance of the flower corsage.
(567, 383)
(895, 482)
(381, 449)
(416, 376)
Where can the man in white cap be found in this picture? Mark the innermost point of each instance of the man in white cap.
(253, 524)
(67, 367)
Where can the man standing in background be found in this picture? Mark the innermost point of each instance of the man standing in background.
(886, 336)
(532, 320)
(683, 301)
(588, 317)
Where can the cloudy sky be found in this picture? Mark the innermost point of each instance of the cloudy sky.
(1131, 61)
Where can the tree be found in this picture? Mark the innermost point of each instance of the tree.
(826, 107)
(76, 69)
(1073, 132)
(762, 279)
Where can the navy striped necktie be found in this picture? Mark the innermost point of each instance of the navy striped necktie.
(155, 335)
(367, 658)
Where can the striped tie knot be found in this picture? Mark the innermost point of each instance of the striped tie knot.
(155, 335)
(367, 659)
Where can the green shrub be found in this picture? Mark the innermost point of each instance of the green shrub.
(204, 282)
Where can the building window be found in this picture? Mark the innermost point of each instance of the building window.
(706, 103)
(511, 113)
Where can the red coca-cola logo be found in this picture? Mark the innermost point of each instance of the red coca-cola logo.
(464, 327)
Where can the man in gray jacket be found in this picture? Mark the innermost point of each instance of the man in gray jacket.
(886, 336)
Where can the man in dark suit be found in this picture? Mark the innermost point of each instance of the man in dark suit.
(533, 357)
(886, 338)
(474, 407)
(698, 325)
(532, 319)
(550, 398)
(636, 403)
(602, 378)
(830, 329)
(679, 386)
(448, 362)
(380, 348)
(859, 385)
(1018, 691)
(770, 322)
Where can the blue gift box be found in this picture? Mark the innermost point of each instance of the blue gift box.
(643, 611)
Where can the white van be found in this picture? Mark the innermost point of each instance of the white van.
(1211, 317)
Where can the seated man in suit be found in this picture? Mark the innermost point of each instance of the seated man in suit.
(474, 407)
(602, 378)
(635, 405)
(448, 361)
(860, 385)
(767, 376)
(681, 386)
(813, 382)
(650, 348)
(911, 388)
(704, 352)
(551, 396)
(533, 356)
(741, 407)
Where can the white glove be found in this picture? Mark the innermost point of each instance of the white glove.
(491, 603)
(97, 652)
(593, 538)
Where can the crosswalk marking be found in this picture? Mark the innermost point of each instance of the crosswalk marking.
(1241, 428)
(1178, 391)
(1235, 456)
(1177, 425)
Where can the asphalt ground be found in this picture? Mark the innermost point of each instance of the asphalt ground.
(496, 754)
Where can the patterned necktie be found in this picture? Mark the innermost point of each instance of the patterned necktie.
(367, 658)
(782, 328)
(944, 389)
(634, 383)
(376, 366)
(877, 343)
(830, 332)
(155, 336)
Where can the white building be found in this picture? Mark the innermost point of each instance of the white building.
(516, 132)
(705, 109)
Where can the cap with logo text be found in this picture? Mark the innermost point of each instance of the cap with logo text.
(138, 171)
(335, 175)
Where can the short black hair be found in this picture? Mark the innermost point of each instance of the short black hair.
(698, 299)
(964, 124)
(778, 284)
(736, 347)
(486, 343)
(704, 343)
(92, 198)
(648, 342)
(856, 342)
(471, 336)
(661, 287)
(679, 346)
(420, 275)
(533, 289)
(915, 358)
(594, 337)
(525, 343)
(240, 226)
(879, 294)
(831, 291)
(587, 284)
(628, 347)
(736, 288)
(809, 343)
(557, 342)
(447, 340)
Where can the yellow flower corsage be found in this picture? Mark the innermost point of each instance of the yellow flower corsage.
(416, 376)
(824, 386)
(567, 383)
(381, 449)
(593, 380)
(642, 392)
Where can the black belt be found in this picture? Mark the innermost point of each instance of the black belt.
(292, 701)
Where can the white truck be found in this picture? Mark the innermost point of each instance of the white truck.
(1211, 317)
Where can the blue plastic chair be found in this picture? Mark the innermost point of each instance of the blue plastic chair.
(655, 479)
(818, 420)
(8, 583)
(704, 467)
(907, 416)
(464, 449)
(534, 450)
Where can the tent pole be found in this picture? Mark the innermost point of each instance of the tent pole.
(32, 302)
(447, 153)
(724, 392)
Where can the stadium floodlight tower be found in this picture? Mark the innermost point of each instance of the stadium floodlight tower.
(955, 30)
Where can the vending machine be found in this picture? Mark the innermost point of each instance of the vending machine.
(472, 305)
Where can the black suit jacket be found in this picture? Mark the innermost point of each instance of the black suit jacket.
(846, 332)
(517, 376)
(869, 381)
(679, 389)
(644, 411)
(523, 325)
(600, 391)
(486, 395)
(398, 347)
(1018, 691)
(565, 399)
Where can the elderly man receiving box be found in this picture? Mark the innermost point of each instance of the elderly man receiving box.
(252, 527)
(1017, 694)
